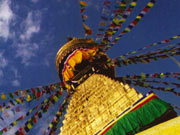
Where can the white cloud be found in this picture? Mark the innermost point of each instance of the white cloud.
(3, 64)
(25, 49)
(31, 25)
(34, 1)
(1, 74)
(15, 83)
(6, 16)
(3, 61)
(15, 72)
(47, 59)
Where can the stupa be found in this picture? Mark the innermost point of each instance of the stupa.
(100, 103)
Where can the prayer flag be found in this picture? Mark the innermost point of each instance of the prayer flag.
(3, 97)
(83, 4)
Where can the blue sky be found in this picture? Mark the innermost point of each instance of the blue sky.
(31, 32)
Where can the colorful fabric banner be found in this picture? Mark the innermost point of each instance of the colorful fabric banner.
(52, 128)
(143, 76)
(43, 106)
(106, 13)
(133, 23)
(150, 45)
(137, 120)
(38, 115)
(119, 18)
(28, 95)
(87, 29)
(148, 57)
(39, 90)
(142, 83)
(145, 98)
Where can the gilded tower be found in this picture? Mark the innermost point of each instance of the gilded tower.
(100, 104)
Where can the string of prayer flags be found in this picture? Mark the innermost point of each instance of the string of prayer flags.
(23, 93)
(134, 22)
(143, 76)
(121, 7)
(28, 95)
(143, 84)
(15, 102)
(20, 119)
(147, 58)
(43, 105)
(163, 82)
(56, 119)
(150, 45)
(38, 115)
(106, 12)
(87, 29)
(11, 103)
(119, 19)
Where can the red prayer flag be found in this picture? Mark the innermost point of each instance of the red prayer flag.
(82, 10)
(33, 90)
(145, 9)
(34, 120)
(107, 2)
(16, 93)
(5, 129)
(21, 118)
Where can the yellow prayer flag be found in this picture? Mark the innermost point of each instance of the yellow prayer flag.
(110, 33)
(133, 4)
(143, 75)
(138, 17)
(2, 109)
(30, 110)
(150, 4)
(46, 100)
(83, 3)
(55, 98)
(15, 123)
(116, 21)
(176, 37)
(18, 100)
(50, 125)
(29, 125)
(127, 30)
(117, 38)
(86, 27)
(28, 98)
(3, 97)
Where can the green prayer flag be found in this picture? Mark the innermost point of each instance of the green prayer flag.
(11, 95)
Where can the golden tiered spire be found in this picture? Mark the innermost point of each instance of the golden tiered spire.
(98, 99)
